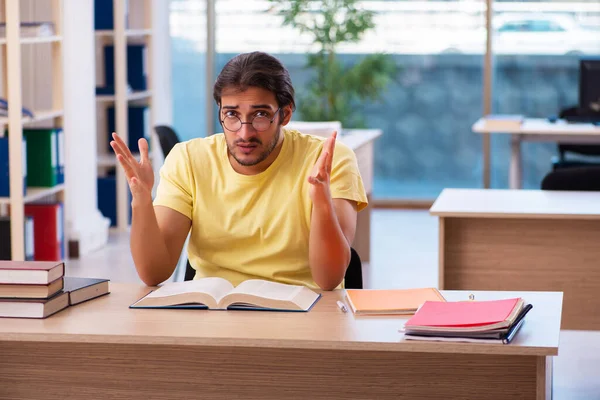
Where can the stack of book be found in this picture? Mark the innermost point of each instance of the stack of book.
(38, 289)
(494, 321)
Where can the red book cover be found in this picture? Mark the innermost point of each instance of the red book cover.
(462, 313)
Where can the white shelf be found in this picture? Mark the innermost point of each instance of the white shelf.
(36, 39)
(38, 116)
(41, 39)
(128, 33)
(31, 73)
(136, 95)
(36, 193)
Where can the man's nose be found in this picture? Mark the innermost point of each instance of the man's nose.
(246, 132)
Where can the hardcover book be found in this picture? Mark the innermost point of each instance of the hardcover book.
(219, 294)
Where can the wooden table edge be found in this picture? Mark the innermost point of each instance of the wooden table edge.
(400, 346)
(483, 214)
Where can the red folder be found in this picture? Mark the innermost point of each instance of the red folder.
(47, 230)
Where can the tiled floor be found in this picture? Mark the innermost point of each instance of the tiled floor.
(404, 254)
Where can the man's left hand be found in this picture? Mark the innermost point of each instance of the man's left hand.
(319, 176)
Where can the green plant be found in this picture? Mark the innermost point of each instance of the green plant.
(338, 88)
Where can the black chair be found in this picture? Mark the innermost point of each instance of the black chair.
(352, 280)
(574, 178)
(167, 138)
(573, 113)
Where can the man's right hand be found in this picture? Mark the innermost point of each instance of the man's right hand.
(140, 175)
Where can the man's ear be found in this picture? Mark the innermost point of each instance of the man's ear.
(287, 114)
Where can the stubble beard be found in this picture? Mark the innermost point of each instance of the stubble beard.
(263, 156)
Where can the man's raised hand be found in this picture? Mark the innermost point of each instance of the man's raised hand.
(140, 175)
(320, 174)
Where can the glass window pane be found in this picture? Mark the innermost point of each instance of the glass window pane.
(537, 72)
(426, 113)
(188, 52)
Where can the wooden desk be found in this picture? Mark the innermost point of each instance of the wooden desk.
(539, 129)
(362, 141)
(523, 240)
(101, 349)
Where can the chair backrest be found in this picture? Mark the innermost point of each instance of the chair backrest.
(189, 272)
(167, 138)
(585, 149)
(352, 280)
(573, 178)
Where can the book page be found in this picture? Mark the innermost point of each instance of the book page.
(268, 289)
(215, 287)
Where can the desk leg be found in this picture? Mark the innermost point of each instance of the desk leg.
(544, 378)
(486, 161)
(516, 167)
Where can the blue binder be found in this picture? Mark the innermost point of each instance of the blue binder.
(138, 125)
(136, 71)
(107, 198)
(103, 15)
(5, 167)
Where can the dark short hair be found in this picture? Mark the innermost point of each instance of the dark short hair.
(256, 69)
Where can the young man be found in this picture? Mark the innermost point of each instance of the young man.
(262, 201)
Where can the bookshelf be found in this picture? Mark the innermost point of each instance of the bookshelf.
(131, 24)
(31, 77)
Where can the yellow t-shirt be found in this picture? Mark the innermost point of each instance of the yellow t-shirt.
(252, 226)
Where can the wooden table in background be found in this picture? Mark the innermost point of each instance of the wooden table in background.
(537, 130)
(102, 349)
(493, 239)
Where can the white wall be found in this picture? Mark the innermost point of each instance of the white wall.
(84, 222)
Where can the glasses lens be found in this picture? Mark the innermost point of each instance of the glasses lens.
(232, 123)
(261, 123)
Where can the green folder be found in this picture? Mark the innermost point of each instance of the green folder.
(42, 157)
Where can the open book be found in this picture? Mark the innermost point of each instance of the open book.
(219, 294)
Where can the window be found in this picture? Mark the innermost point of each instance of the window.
(426, 114)
(188, 48)
(537, 75)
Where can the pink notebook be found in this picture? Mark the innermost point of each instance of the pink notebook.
(464, 313)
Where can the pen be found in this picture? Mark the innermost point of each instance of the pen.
(342, 306)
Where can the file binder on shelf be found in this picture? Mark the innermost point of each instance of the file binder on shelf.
(107, 199)
(136, 66)
(5, 169)
(5, 239)
(48, 232)
(44, 156)
(138, 118)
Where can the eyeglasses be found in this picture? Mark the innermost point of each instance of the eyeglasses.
(260, 123)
